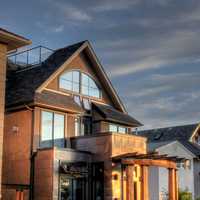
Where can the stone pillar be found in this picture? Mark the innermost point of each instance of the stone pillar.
(129, 182)
(145, 183)
(172, 185)
(3, 60)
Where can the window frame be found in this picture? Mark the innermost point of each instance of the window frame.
(81, 73)
(52, 134)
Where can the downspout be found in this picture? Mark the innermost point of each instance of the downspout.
(32, 156)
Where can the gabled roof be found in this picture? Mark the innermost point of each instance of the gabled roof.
(22, 85)
(110, 114)
(192, 147)
(170, 133)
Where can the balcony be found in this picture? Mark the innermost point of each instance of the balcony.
(107, 145)
(29, 58)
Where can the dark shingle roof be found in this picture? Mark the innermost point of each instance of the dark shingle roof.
(21, 85)
(113, 115)
(62, 102)
(192, 147)
(170, 133)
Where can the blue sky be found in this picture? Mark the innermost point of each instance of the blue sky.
(150, 49)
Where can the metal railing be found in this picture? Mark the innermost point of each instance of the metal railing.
(30, 57)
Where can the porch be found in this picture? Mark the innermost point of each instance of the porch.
(135, 173)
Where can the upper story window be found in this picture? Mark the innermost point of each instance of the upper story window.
(117, 128)
(70, 81)
(52, 129)
(79, 82)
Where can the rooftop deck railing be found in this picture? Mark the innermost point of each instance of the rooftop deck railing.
(30, 57)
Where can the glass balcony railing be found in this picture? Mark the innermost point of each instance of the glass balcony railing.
(31, 57)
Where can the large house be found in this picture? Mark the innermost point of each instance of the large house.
(183, 141)
(67, 134)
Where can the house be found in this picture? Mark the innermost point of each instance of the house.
(8, 42)
(183, 141)
(67, 133)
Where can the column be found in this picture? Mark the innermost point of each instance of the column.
(145, 183)
(172, 185)
(129, 182)
(176, 183)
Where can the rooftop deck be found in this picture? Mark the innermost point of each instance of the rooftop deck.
(30, 57)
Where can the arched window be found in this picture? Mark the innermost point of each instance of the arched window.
(70, 81)
(89, 87)
(79, 82)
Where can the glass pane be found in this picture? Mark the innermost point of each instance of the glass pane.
(67, 76)
(85, 90)
(122, 129)
(92, 83)
(77, 126)
(76, 87)
(85, 80)
(112, 128)
(46, 126)
(59, 126)
(76, 75)
(65, 84)
(94, 92)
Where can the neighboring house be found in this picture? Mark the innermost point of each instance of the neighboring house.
(67, 134)
(8, 42)
(182, 141)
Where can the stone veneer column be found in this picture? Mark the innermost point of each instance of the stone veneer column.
(3, 60)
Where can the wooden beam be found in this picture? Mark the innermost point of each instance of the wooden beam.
(172, 185)
(129, 182)
(145, 183)
(176, 184)
(158, 163)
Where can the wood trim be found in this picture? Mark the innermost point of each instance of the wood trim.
(194, 133)
(150, 162)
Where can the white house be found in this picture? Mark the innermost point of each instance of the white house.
(180, 141)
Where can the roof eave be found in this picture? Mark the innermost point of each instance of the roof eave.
(12, 40)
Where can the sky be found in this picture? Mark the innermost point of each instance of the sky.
(150, 49)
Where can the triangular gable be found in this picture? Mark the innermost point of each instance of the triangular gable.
(196, 131)
(98, 67)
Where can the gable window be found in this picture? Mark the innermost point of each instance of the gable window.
(89, 87)
(81, 83)
(52, 129)
(117, 128)
(70, 81)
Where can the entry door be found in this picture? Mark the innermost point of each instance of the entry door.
(72, 188)
(19, 195)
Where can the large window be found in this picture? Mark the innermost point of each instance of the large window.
(70, 81)
(52, 128)
(78, 82)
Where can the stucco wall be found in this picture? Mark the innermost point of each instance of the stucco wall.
(197, 178)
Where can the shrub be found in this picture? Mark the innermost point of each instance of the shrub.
(185, 195)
